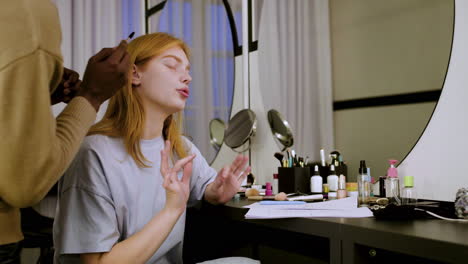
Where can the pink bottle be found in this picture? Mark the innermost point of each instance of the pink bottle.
(392, 171)
(392, 183)
(268, 191)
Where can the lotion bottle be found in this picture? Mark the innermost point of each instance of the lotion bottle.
(316, 181)
(332, 179)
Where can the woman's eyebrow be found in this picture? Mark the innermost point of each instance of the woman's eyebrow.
(179, 60)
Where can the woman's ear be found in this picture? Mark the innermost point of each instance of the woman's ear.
(136, 76)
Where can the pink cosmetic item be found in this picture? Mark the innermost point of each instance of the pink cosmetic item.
(392, 171)
(268, 191)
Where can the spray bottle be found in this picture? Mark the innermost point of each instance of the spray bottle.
(363, 185)
(392, 183)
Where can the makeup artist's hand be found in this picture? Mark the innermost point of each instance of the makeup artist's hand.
(106, 73)
(68, 87)
(177, 190)
(228, 181)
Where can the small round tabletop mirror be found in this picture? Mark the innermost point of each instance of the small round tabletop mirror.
(217, 127)
(280, 129)
(240, 129)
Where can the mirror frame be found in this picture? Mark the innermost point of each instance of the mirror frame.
(213, 140)
(244, 121)
(285, 140)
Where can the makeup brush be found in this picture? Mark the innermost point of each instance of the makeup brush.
(279, 156)
(130, 36)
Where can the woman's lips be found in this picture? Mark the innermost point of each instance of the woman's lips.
(184, 92)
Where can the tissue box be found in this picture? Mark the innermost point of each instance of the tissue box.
(294, 179)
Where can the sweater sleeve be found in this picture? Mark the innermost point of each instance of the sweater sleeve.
(35, 148)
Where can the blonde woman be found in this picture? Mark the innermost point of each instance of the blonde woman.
(123, 199)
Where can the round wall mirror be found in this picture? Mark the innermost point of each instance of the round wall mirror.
(212, 61)
(240, 129)
(217, 127)
(387, 65)
(280, 129)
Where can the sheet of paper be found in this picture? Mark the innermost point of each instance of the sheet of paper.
(340, 204)
(266, 212)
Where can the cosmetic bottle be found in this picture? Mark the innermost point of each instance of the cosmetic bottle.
(332, 179)
(323, 168)
(392, 183)
(342, 187)
(372, 186)
(369, 178)
(268, 189)
(325, 190)
(316, 182)
(344, 167)
(275, 183)
(352, 189)
(382, 192)
(363, 185)
(408, 194)
(334, 161)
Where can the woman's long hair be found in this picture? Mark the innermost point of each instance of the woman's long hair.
(125, 114)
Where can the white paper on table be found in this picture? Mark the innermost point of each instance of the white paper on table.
(340, 204)
(266, 212)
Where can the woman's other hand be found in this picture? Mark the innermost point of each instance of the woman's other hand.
(228, 181)
(177, 190)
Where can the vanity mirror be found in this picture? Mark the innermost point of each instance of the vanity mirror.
(280, 129)
(205, 27)
(217, 127)
(386, 62)
(240, 129)
(389, 62)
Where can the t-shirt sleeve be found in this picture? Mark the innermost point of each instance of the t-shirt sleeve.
(86, 220)
(202, 175)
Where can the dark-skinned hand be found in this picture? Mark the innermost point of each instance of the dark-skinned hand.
(106, 73)
(68, 87)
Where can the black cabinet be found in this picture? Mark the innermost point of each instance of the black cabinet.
(221, 231)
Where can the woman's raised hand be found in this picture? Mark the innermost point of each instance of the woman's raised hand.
(177, 190)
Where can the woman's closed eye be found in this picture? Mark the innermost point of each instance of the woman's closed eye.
(172, 66)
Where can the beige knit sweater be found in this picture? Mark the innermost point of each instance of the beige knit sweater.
(35, 148)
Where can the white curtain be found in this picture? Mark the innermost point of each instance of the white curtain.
(204, 26)
(90, 25)
(87, 27)
(295, 70)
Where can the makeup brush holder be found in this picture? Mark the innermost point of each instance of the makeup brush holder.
(294, 179)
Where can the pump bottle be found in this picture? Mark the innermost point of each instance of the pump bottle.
(392, 183)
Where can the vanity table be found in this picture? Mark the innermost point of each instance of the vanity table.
(220, 231)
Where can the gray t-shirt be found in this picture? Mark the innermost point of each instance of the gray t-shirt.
(104, 198)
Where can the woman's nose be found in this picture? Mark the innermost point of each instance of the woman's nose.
(186, 78)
